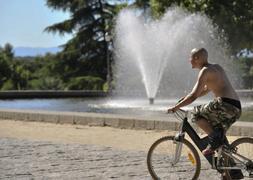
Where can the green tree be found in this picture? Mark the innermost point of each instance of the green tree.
(234, 17)
(86, 82)
(44, 75)
(90, 23)
(143, 4)
(245, 66)
(18, 74)
(8, 51)
(6, 56)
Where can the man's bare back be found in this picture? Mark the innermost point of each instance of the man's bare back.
(211, 77)
(218, 82)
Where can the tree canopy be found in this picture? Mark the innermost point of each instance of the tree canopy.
(90, 20)
(234, 17)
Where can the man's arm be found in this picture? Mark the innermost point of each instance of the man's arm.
(198, 90)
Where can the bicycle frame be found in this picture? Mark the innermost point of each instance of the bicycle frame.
(239, 158)
(202, 143)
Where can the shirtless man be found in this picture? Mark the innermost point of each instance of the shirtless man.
(218, 115)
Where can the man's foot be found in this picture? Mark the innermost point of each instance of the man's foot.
(208, 151)
(216, 139)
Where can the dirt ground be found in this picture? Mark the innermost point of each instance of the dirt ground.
(124, 139)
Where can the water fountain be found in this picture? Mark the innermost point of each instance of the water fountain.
(151, 62)
(152, 54)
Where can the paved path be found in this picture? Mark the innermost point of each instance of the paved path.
(32, 150)
(22, 159)
(27, 159)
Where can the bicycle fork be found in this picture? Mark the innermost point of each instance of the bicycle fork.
(178, 141)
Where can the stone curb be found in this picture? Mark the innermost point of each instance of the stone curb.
(21, 94)
(112, 120)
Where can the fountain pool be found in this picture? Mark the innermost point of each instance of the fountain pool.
(135, 107)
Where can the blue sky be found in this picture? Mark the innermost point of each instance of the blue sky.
(22, 23)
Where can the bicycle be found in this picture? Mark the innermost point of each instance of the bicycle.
(177, 154)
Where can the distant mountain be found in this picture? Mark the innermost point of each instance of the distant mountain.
(34, 51)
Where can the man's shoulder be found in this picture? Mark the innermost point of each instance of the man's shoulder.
(203, 73)
(204, 70)
(212, 68)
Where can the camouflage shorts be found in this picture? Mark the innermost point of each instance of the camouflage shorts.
(217, 113)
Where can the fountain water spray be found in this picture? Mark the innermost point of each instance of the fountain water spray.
(151, 100)
(153, 54)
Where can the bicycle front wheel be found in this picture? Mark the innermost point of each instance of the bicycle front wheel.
(170, 159)
(243, 147)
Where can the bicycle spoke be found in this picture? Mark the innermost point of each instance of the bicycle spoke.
(243, 156)
(161, 160)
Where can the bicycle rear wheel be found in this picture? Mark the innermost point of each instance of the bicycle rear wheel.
(163, 163)
(244, 147)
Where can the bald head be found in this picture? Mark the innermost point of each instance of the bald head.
(199, 58)
(200, 53)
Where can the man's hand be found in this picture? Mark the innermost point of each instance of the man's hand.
(172, 110)
(175, 108)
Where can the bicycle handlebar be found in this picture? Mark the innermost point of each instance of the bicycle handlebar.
(182, 110)
(180, 114)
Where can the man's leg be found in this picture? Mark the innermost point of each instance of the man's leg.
(215, 135)
(204, 125)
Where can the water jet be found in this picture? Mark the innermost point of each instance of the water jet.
(152, 55)
(151, 101)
